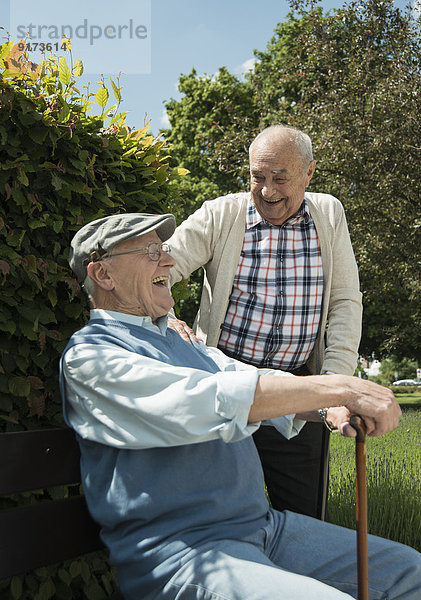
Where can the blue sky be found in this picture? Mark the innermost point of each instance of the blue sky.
(154, 41)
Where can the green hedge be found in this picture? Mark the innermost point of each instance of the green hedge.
(405, 389)
(59, 168)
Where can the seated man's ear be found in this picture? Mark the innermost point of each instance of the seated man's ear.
(98, 272)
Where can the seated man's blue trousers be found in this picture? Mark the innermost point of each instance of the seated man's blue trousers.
(294, 558)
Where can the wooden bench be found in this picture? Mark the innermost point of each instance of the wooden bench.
(47, 531)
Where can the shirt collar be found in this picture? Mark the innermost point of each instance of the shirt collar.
(253, 217)
(112, 315)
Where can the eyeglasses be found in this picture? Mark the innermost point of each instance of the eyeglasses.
(153, 250)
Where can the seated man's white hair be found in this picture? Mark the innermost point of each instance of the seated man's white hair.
(88, 286)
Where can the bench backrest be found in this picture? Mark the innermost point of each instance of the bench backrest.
(46, 532)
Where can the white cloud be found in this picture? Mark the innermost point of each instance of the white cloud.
(246, 66)
(164, 120)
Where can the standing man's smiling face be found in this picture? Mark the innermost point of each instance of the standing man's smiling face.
(278, 178)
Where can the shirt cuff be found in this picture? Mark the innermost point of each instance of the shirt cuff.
(235, 395)
(288, 425)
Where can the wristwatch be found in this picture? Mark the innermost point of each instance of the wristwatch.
(323, 413)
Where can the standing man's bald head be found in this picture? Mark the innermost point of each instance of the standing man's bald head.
(281, 168)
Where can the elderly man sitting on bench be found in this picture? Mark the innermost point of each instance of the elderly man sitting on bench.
(169, 468)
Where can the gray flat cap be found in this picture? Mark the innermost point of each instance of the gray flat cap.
(100, 236)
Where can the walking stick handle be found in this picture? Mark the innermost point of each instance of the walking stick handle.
(359, 426)
(361, 506)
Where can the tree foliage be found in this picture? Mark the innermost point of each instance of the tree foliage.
(393, 368)
(357, 94)
(351, 80)
(203, 128)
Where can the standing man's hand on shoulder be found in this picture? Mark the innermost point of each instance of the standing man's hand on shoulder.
(183, 330)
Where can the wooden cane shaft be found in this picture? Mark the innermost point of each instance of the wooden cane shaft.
(361, 517)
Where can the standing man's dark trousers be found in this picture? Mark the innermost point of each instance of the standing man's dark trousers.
(296, 470)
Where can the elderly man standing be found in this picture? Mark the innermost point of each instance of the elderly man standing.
(281, 291)
(168, 465)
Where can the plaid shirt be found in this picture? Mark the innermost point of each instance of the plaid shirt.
(275, 305)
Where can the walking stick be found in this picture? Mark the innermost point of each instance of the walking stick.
(361, 507)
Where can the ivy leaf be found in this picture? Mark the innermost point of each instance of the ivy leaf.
(6, 403)
(8, 326)
(78, 68)
(119, 117)
(47, 590)
(52, 296)
(57, 181)
(19, 386)
(66, 44)
(180, 171)
(22, 178)
(4, 267)
(64, 113)
(73, 310)
(16, 587)
(102, 97)
(116, 91)
(58, 225)
(30, 262)
(35, 382)
(64, 72)
(38, 134)
(6, 48)
(46, 315)
(75, 569)
(94, 591)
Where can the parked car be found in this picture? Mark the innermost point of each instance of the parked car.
(407, 382)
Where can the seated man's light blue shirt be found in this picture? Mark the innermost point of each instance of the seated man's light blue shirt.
(127, 400)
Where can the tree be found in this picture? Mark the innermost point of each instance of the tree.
(202, 130)
(357, 72)
(203, 139)
(351, 79)
(393, 368)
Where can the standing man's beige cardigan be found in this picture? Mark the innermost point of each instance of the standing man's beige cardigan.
(212, 238)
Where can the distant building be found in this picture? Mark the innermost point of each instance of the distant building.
(373, 367)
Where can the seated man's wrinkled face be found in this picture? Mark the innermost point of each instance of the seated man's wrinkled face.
(140, 282)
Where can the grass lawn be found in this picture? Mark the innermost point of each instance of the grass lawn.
(393, 480)
(408, 399)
